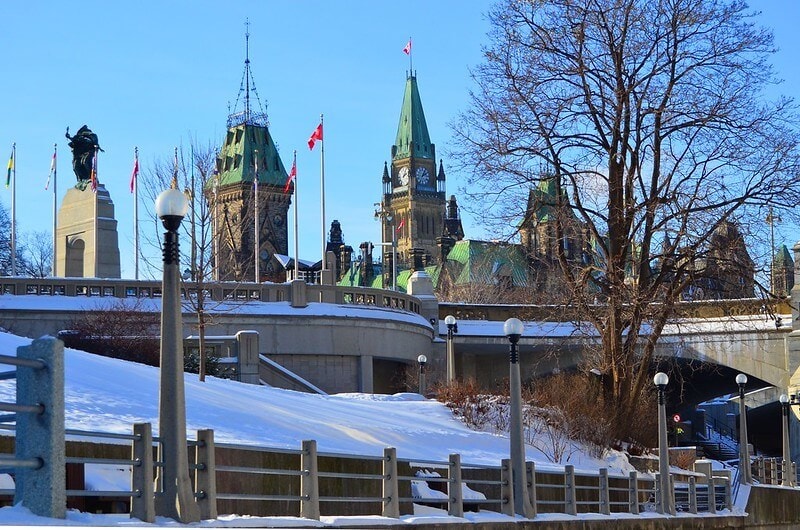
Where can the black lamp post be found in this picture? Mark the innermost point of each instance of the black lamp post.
(513, 329)
(744, 458)
(176, 500)
(661, 380)
(452, 327)
(422, 360)
(787, 454)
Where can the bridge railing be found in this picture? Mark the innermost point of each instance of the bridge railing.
(217, 291)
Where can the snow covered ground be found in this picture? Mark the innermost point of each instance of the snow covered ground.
(110, 395)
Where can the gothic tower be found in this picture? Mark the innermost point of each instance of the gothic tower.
(413, 192)
(247, 195)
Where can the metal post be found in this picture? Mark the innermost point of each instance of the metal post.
(513, 329)
(452, 327)
(667, 505)
(530, 471)
(692, 495)
(745, 474)
(422, 360)
(176, 500)
(786, 467)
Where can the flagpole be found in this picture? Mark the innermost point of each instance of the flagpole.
(95, 184)
(410, 60)
(256, 227)
(14, 209)
(215, 225)
(296, 238)
(322, 195)
(136, 212)
(55, 207)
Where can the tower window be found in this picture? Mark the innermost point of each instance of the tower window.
(237, 161)
(239, 135)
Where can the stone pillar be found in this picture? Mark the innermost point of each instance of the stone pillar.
(420, 286)
(247, 346)
(87, 241)
(793, 359)
(365, 383)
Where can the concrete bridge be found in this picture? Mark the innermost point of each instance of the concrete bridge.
(355, 339)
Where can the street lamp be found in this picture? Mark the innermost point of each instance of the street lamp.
(661, 380)
(422, 360)
(744, 458)
(513, 328)
(176, 500)
(787, 455)
(452, 327)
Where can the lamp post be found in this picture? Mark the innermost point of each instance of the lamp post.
(744, 458)
(176, 500)
(513, 328)
(787, 455)
(452, 327)
(422, 360)
(661, 380)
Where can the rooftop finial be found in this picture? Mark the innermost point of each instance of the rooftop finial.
(246, 115)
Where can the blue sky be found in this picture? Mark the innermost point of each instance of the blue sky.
(155, 74)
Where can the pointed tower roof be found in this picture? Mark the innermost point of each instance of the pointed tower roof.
(412, 131)
(248, 144)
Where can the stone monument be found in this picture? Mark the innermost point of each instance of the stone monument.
(87, 241)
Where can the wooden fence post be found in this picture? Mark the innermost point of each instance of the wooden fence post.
(455, 491)
(206, 474)
(506, 487)
(143, 500)
(309, 481)
(391, 491)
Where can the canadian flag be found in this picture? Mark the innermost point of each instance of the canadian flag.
(407, 49)
(316, 135)
(292, 175)
(401, 225)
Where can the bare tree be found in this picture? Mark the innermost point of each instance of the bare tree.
(194, 171)
(38, 254)
(651, 117)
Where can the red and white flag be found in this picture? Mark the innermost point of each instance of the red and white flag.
(135, 172)
(407, 49)
(93, 176)
(52, 170)
(402, 224)
(292, 175)
(316, 135)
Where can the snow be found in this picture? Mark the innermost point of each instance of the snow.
(109, 395)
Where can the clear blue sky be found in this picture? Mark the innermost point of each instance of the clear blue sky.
(155, 74)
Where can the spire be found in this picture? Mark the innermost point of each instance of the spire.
(246, 116)
(412, 139)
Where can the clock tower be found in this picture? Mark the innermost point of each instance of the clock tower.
(413, 192)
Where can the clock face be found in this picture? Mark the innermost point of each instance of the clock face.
(423, 177)
(402, 176)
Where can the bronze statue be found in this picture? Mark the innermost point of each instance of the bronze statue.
(84, 145)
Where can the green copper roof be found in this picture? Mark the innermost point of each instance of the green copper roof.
(236, 161)
(783, 256)
(412, 132)
(482, 262)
